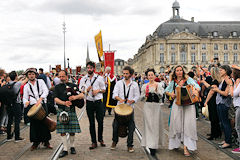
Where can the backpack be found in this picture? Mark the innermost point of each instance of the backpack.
(7, 94)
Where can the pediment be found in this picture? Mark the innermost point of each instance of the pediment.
(182, 36)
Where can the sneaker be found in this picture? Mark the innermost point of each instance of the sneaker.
(9, 139)
(113, 147)
(237, 150)
(130, 149)
(19, 139)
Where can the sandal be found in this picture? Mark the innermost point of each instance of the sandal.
(186, 153)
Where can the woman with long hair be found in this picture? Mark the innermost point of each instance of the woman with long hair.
(152, 93)
(182, 126)
(223, 101)
(211, 82)
(235, 93)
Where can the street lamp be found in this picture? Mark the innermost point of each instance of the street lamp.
(68, 62)
(64, 31)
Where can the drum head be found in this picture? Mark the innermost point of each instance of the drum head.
(34, 110)
(123, 109)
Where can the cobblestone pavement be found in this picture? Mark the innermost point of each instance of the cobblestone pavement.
(206, 151)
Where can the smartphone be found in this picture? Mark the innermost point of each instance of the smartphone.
(200, 77)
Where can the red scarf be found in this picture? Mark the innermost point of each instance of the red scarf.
(147, 90)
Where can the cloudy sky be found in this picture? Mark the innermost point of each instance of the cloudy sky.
(31, 30)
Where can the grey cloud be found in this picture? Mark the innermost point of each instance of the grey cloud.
(97, 8)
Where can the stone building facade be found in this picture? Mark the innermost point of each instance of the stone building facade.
(182, 42)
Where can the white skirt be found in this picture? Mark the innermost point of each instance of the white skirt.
(183, 127)
(153, 135)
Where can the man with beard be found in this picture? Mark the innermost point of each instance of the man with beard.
(94, 87)
(64, 103)
(125, 91)
(35, 93)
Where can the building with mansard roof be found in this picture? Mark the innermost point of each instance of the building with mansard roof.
(182, 42)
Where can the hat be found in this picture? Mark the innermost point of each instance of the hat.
(235, 67)
(31, 70)
(205, 111)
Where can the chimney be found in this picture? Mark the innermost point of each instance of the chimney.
(192, 19)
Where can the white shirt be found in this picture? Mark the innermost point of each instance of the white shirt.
(134, 93)
(29, 96)
(236, 97)
(98, 84)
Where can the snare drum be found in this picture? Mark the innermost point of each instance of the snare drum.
(123, 114)
(37, 112)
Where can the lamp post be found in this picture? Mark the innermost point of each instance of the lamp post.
(64, 31)
(68, 62)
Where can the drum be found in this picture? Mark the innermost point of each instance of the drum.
(37, 112)
(123, 114)
(51, 124)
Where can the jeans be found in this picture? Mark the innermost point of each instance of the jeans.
(16, 112)
(92, 108)
(223, 117)
(131, 129)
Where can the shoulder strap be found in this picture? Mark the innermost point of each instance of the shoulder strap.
(32, 90)
(94, 80)
(174, 86)
(126, 96)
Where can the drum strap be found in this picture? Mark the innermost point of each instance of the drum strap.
(33, 92)
(126, 96)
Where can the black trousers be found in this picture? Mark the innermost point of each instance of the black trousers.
(16, 113)
(95, 107)
(131, 129)
(39, 132)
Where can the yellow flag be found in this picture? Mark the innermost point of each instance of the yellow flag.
(99, 46)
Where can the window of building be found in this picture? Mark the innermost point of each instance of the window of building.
(161, 57)
(225, 57)
(215, 55)
(183, 57)
(234, 34)
(215, 33)
(121, 63)
(204, 57)
(215, 46)
(193, 57)
(176, 30)
(173, 58)
(235, 46)
(225, 47)
(173, 47)
(193, 47)
(235, 57)
(186, 30)
(204, 46)
(161, 47)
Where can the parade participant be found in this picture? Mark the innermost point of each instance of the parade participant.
(35, 93)
(235, 93)
(42, 76)
(151, 93)
(64, 104)
(209, 83)
(125, 91)
(183, 118)
(16, 109)
(110, 81)
(95, 87)
(223, 101)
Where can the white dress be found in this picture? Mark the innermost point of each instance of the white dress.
(153, 135)
(183, 127)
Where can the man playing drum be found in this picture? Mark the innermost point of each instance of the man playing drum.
(64, 104)
(125, 91)
(35, 93)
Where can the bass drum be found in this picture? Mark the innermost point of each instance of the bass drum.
(123, 114)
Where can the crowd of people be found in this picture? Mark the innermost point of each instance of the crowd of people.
(216, 87)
